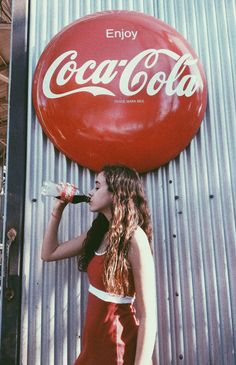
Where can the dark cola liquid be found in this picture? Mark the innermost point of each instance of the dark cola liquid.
(78, 199)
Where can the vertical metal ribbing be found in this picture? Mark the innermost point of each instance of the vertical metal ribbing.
(192, 201)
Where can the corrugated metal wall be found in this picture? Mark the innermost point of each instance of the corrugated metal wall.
(192, 200)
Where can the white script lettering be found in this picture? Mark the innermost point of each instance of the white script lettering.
(131, 80)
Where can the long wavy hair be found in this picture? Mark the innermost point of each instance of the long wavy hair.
(129, 210)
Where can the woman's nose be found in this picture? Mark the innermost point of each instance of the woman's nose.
(90, 194)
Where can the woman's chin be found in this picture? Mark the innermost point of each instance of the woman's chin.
(92, 209)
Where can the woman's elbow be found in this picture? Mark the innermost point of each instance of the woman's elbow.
(149, 320)
(45, 257)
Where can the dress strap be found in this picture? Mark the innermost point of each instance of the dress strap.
(113, 298)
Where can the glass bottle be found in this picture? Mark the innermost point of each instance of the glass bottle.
(64, 191)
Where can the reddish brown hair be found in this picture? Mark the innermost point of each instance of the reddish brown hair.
(129, 211)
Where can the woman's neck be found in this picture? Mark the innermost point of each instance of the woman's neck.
(107, 213)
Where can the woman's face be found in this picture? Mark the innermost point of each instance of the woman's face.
(101, 198)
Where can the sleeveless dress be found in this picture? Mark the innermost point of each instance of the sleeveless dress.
(110, 331)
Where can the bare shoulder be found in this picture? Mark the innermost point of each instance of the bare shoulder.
(139, 245)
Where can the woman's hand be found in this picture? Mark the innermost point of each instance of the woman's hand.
(58, 207)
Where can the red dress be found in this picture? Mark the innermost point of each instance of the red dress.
(110, 332)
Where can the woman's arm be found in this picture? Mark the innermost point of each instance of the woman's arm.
(141, 260)
(51, 249)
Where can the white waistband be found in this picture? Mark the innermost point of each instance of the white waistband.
(113, 298)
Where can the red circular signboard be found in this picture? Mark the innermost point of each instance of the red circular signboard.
(119, 87)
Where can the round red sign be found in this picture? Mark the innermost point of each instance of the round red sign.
(119, 87)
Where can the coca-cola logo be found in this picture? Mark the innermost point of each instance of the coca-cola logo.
(66, 67)
(119, 87)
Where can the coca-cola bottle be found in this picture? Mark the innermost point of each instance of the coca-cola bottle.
(64, 191)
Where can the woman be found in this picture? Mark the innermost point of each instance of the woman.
(117, 256)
